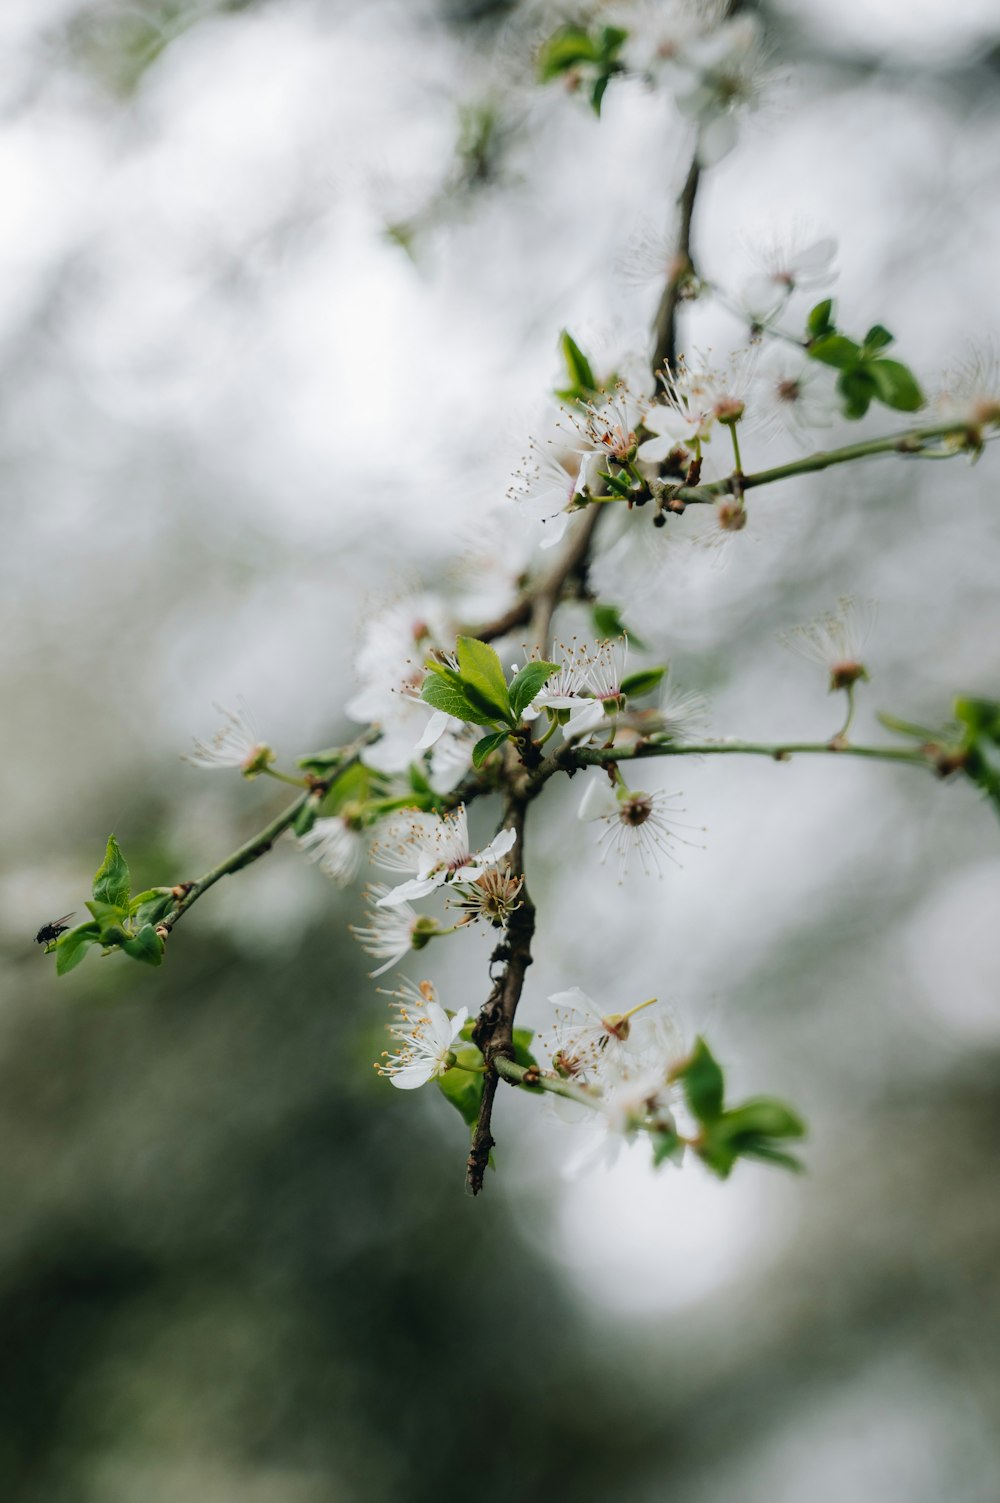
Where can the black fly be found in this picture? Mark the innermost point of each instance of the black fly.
(51, 931)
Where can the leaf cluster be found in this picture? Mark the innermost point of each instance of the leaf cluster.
(118, 920)
(576, 54)
(475, 689)
(753, 1130)
(865, 375)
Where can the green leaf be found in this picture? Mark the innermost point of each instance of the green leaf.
(482, 674)
(857, 389)
(877, 338)
(895, 385)
(306, 817)
(836, 350)
(763, 1117)
(146, 946)
(352, 787)
(488, 744)
(111, 882)
(566, 48)
(464, 1088)
(322, 762)
(149, 907)
(981, 716)
(703, 1083)
(109, 919)
(578, 369)
(644, 681)
(776, 1156)
(72, 946)
(666, 1145)
(820, 320)
(716, 1154)
(597, 93)
(442, 695)
(528, 682)
(609, 624)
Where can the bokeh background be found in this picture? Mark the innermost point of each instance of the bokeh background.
(280, 286)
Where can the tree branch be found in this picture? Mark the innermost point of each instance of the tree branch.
(258, 845)
(572, 758)
(682, 269)
(910, 442)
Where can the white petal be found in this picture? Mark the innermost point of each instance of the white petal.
(575, 998)
(598, 802)
(419, 887)
(716, 139)
(436, 727)
(498, 846)
(412, 1076)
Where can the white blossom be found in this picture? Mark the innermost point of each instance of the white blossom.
(636, 823)
(389, 933)
(786, 268)
(236, 744)
(493, 895)
(390, 670)
(837, 640)
(792, 392)
(695, 399)
(971, 393)
(547, 486)
(715, 75)
(436, 848)
(589, 677)
(659, 31)
(337, 847)
(608, 429)
(587, 1038)
(424, 1036)
(682, 714)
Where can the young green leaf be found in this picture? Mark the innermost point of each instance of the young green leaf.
(598, 91)
(836, 350)
(643, 681)
(111, 881)
(764, 1117)
(703, 1083)
(608, 623)
(483, 678)
(146, 946)
(877, 338)
(464, 1087)
(487, 744)
(895, 385)
(444, 696)
(581, 378)
(666, 1145)
(857, 389)
(528, 682)
(566, 48)
(109, 919)
(149, 907)
(72, 946)
(306, 817)
(820, 320)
